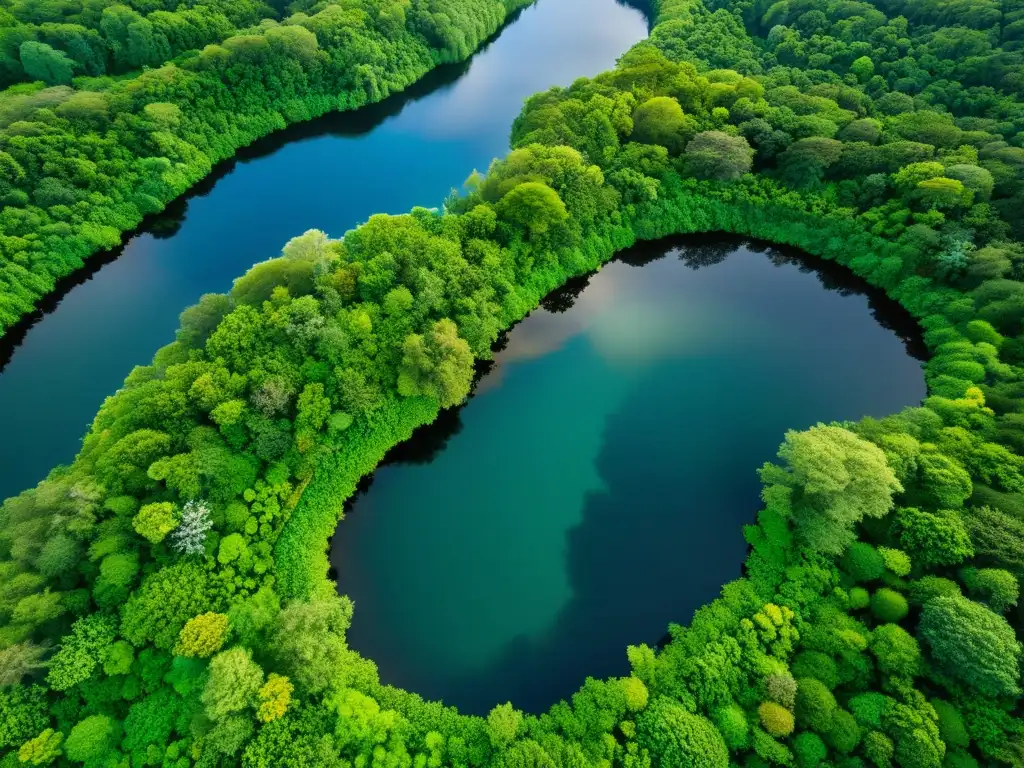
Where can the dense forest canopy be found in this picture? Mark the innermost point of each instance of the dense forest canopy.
(164, 600)
(130, 105)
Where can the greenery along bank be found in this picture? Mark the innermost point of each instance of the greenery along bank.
(93, 144)
(164, 599)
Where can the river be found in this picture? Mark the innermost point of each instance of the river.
(330, 174)
(595, 486)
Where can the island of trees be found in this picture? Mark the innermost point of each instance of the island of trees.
(164, 600)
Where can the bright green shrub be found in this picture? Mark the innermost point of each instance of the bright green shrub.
(815, 705)
(676, 738)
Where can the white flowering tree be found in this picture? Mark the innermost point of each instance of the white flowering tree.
(189, 538)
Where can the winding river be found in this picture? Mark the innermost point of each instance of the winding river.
(329, 174)
(595, 486)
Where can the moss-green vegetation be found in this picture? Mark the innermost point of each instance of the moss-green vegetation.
(84, 158)
(871, 625)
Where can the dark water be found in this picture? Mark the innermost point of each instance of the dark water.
(330, 174)
(594, 488)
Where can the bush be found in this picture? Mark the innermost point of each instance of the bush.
(895, 650)
(951, 724)
(859, 599)
(878, 749)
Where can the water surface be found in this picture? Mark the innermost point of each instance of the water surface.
(330, 174)
(595, 486)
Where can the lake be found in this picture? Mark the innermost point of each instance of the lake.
(330, 174)
(594, 487)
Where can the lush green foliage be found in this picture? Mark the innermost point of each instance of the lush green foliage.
(84, 155)
(870, 622)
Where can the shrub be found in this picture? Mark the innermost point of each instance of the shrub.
(155, 521)
(859, 599)
(844, 733)
(951, 724)
(895, 650)
(878, 749)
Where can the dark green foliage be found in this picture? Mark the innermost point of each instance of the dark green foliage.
(674, 737)
(207, 486)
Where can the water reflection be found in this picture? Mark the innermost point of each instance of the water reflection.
(595, 488)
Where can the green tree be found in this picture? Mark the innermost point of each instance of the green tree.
(155, 521)
(92, 739)
(533, 206)
(43, 749)
(503, 724)
(661, 121)
(837, 479)
(234, 682)
(676, 738)
(972, 644)
(41, 62)
(438, 365)
(202, 635)
(718, 156)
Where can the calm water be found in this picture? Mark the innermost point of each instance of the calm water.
(595, 486)
(330, 174)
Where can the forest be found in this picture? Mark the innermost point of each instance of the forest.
(164, 599)
(115, 109)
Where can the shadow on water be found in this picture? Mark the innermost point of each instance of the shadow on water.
(638, 517)
(168, 222)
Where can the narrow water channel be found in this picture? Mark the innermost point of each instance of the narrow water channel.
(330, 174)
(595, 486)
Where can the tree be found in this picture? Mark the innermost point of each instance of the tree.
(189, 537)
(155, 521)
(91, 739)
(775, 719)
(234, 682)
(837, 479)
(533, 206)
(82, 651)
(718, 156)
(935, 538)
(889, 605)
(972, 644)
(309, 641)
(202, 635)
(503, 724)
(41, 62)
(274, 698)
(677, 739)
(19, 660)
(896, 650)
(437, 365)
(43, 749)
(993, 586)
(661, 121)
(815, 705)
